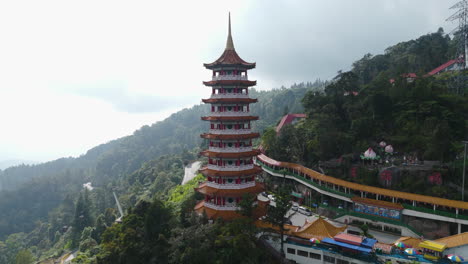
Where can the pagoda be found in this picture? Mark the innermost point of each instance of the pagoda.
(230, 171)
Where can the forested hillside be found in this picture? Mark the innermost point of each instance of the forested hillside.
(420, 118)
(39, 201)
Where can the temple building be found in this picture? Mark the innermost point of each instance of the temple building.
(230, 171)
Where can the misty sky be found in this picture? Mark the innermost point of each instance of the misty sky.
(74, 74)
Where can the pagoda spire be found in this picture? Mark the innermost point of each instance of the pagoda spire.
(229, 43)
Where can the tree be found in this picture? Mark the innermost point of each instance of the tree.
(246, 205)
(276, 214)
(24, 257)
(82, 217)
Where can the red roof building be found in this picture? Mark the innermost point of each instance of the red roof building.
(230, 172)
(288, 119)
(450, 65)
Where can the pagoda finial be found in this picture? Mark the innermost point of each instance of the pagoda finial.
(229, 43)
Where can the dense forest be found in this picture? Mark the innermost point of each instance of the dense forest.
(46, 211)
(39, 202)
(420, 118)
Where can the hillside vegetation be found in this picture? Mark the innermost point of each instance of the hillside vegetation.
(420, 118)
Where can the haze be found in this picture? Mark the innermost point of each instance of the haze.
(75, 74)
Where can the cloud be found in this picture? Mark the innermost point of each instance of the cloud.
(118, 94)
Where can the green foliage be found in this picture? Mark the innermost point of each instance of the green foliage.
(24, 257)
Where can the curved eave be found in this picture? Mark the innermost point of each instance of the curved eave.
(231, 82)
(233, 155)
(214, 173)
(229, 118)
(200, 208)
(229, 100)
(241, 136)
(207, 190)
(230, 58)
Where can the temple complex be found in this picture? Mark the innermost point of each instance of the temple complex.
(230, 171)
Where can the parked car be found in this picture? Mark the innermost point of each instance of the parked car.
(264, 194)
(295, 208)
(271, 197)
(305, 211)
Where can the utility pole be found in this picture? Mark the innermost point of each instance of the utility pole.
(464, 171)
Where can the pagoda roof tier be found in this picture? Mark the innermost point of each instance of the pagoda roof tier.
(205, 189)
(229, 100)
(237, 136)
(230, 56)
(215, 173)
(215, 214)
(211, 213)
(230, 155)
(230, 82)
(229, 118)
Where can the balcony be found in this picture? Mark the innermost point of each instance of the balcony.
(231, 113)
(230, 186)
(230, 131)
(229, 95)
(230, 149)
(229, 78)
(221, 207)
(230, 168)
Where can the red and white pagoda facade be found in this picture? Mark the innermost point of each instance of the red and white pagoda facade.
(230, 172)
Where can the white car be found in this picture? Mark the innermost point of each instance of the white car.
(305, 211)
(271, 197)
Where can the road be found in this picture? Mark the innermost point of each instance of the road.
(191, 171)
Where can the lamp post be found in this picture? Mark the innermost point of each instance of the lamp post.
(464, 171)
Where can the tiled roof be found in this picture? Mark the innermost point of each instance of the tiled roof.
(378, 203)
(231, 155)
(229, 100)
(229, 56)
(442, 67)
(410, 241)
(349, 238)
(231, 82)
(288, 119)
(228, 118)
(204, 189)
(365, 188)
(455, 240)
(319, 227)
(214, 173)
(259, 211)
(239, 136)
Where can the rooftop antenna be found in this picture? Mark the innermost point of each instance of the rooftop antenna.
(460, 32)
(118, 220)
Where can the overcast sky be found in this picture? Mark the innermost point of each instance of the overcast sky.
(74, 74)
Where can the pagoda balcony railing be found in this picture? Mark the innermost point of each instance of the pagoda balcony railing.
(231, 113)
(229, 77)
(230, 131)
(221, 207)
(229, 95)
(231, 186)
(230, 167)
(230, 149)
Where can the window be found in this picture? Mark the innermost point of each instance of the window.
(328, 259)
(315, 256)
(291, 251)
(302, 253)
(340, 261)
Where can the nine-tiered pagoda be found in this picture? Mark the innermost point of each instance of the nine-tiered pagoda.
(230, 172)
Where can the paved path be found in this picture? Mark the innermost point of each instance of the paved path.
(191, 171)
